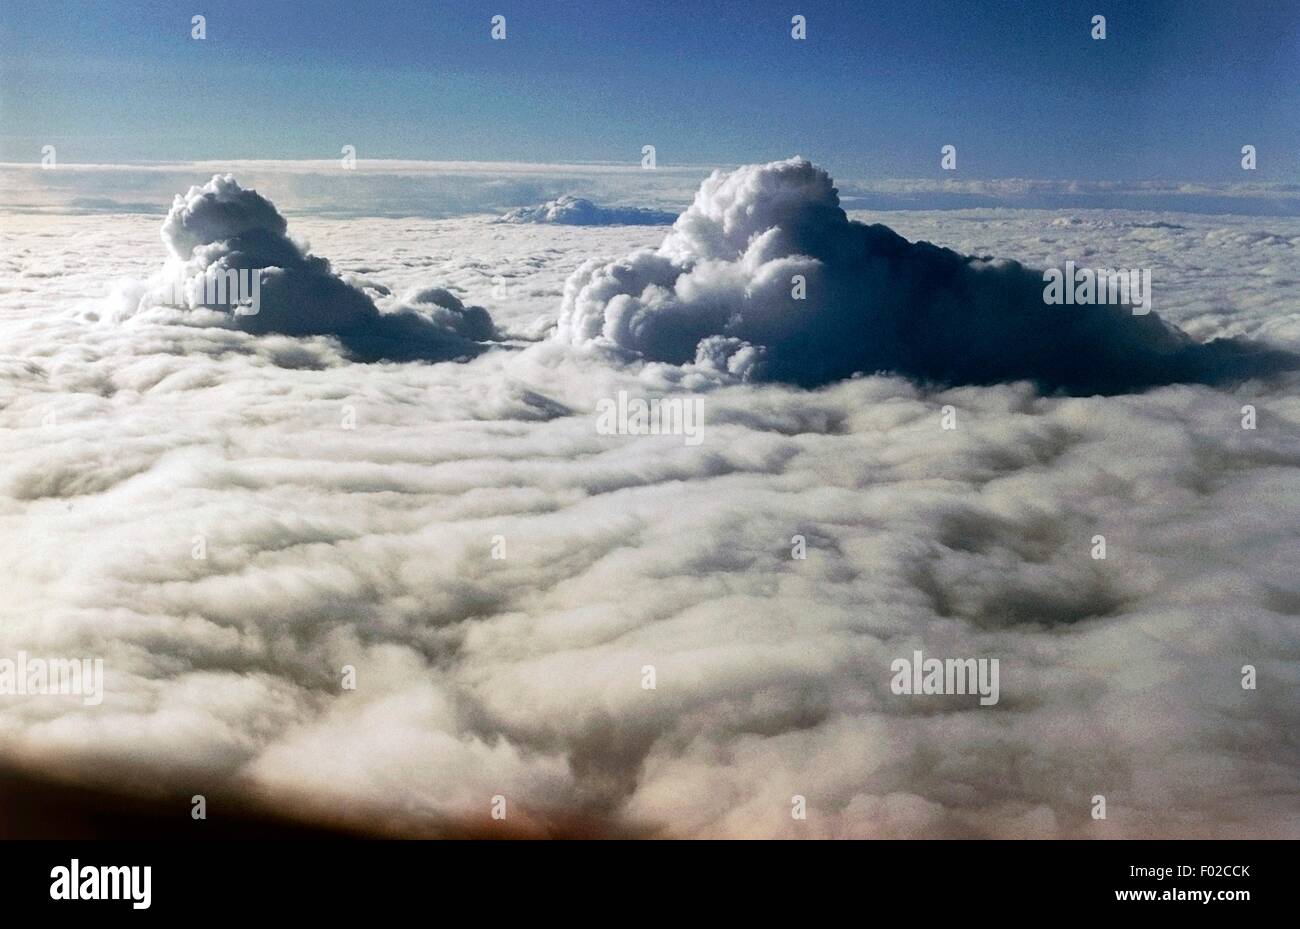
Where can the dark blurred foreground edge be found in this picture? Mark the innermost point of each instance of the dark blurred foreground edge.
(333, 877)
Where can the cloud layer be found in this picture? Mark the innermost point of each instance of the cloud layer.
(444, 189)
(348, 514)
(766, 277)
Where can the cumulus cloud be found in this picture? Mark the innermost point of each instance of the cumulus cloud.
(579, 211)
(725, 282)
(221, 227)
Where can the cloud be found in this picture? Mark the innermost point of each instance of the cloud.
(372, 188)
(724, 283)
(372, 547)
(1241, 198)
(221, 227)
(579, 211)
(443, 189)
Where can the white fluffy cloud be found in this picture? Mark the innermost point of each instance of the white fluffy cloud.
(221, 228)
(766, 276)
(128, 437)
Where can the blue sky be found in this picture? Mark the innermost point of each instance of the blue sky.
(1020, 88)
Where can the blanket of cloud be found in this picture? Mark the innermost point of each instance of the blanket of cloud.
(765, 276)
(348, 514)
(569, 210)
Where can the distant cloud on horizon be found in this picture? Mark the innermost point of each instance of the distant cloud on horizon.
(579, 211)
(437, 189)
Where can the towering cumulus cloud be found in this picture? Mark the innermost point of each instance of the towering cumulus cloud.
(278, 287)
(723, 290)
